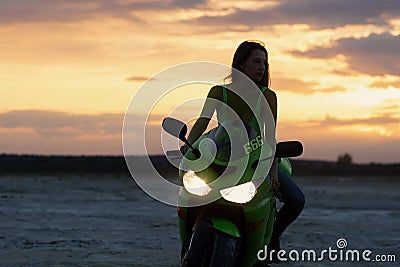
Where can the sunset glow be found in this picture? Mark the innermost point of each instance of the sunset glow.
(69, 69)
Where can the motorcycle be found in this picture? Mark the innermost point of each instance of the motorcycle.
(226, 206)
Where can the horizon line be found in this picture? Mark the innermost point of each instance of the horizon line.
(163, 155)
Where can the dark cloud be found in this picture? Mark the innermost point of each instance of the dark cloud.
(162, 4)
(187, 3)
(336, 13)
(377, 54)
(301, 87)
(316, 13)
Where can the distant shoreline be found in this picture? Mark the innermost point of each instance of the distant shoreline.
(19, 164)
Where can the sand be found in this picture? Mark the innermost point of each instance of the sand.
(92, 220)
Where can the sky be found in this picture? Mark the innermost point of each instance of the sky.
(69, 70)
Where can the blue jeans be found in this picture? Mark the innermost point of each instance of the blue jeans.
(293, 199)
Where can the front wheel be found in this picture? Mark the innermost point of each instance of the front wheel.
(210, 248)
(225, 250)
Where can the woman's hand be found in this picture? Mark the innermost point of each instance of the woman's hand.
(275, 182)
(275, 187)
(184, 149)
(274, 175)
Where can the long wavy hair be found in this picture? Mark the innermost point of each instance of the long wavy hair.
(242, 53)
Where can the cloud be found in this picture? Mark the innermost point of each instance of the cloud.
(376, 54)
(55, 132)
(55, 123)
(137, 79)
(301, 87)
(386, 84)
(187, 3)
(380, 120)
(336, 13)
(65, 10)
(75, 10)
(327, 143)
(316, 13)
(390, 108)
(43, 132)
(374, 139)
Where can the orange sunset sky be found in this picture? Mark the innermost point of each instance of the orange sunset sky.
(69, 69)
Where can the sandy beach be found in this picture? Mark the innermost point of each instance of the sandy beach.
(105, 220)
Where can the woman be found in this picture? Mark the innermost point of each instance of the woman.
(251, 59)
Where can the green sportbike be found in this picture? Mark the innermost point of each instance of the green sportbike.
(226, 205)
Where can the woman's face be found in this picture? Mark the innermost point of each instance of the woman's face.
(255, 65)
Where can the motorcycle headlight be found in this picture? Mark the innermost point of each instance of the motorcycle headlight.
(195, 185)
(239, 194)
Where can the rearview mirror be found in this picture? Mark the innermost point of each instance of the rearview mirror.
(288, 149)
(175, 128)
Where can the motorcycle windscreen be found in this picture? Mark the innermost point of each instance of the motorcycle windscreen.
(233, 140)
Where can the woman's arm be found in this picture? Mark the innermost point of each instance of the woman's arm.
(198, 129)
(206, 113)
(273, 104)
(271, 98)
